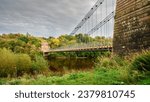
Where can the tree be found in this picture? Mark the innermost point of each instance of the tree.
(54, 43)
(24, 39)
(83, 38)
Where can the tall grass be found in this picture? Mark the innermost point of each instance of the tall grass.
(110, 62)
(112, 70)
(142, 61)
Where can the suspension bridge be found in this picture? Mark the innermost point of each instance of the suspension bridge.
(124, 23)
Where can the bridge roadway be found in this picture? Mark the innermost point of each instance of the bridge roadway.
(98, 48)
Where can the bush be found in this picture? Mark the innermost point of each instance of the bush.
(110, 62)
(7, 63)
(19, 64)
(40, 65)
(23, 64)
(142, 61)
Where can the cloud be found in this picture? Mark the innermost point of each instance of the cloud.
(42, 17)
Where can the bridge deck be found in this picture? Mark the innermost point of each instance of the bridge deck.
(99, 48)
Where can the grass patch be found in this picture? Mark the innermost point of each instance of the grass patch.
(108, 71)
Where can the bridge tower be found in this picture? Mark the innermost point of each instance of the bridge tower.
(132, 26)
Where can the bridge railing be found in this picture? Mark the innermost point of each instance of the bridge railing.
(83, 46)
(99, 21)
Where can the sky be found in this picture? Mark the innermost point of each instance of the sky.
(42, 17)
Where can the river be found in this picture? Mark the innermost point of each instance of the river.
(61, 66)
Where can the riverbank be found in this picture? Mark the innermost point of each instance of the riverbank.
(133, 70)
(96, 77)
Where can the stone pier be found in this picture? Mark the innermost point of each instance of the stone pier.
(132, 26)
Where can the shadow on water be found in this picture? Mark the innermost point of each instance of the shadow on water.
(66, 65)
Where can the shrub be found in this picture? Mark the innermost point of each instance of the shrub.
(23, 64)
(7, 63)
(142, 61)
(40, 65)
(19, 64)
(110, 62)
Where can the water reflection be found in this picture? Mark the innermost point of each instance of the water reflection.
(63, 65)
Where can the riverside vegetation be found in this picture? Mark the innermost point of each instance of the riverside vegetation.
(20, 67)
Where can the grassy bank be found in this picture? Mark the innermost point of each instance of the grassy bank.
(107, 71)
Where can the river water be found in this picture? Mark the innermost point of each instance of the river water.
(66, 65)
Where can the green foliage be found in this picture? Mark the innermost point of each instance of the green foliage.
(111, 62)
(34, 41)
(40, 65)
(75, 76)
(14, 64)
(54, 42)
(108, 70)
(144, 81)
(117, 72)
(23, 64)
(18, 60)
(19, 64)
(105, 76)
(20, 43)
(83, 38)
(24, 39)
(7, 63)
(112, 70)
(142, 61)
(97, 77)
(68, 40)
(87, 54)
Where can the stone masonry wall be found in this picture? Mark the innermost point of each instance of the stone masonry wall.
(132, 26)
